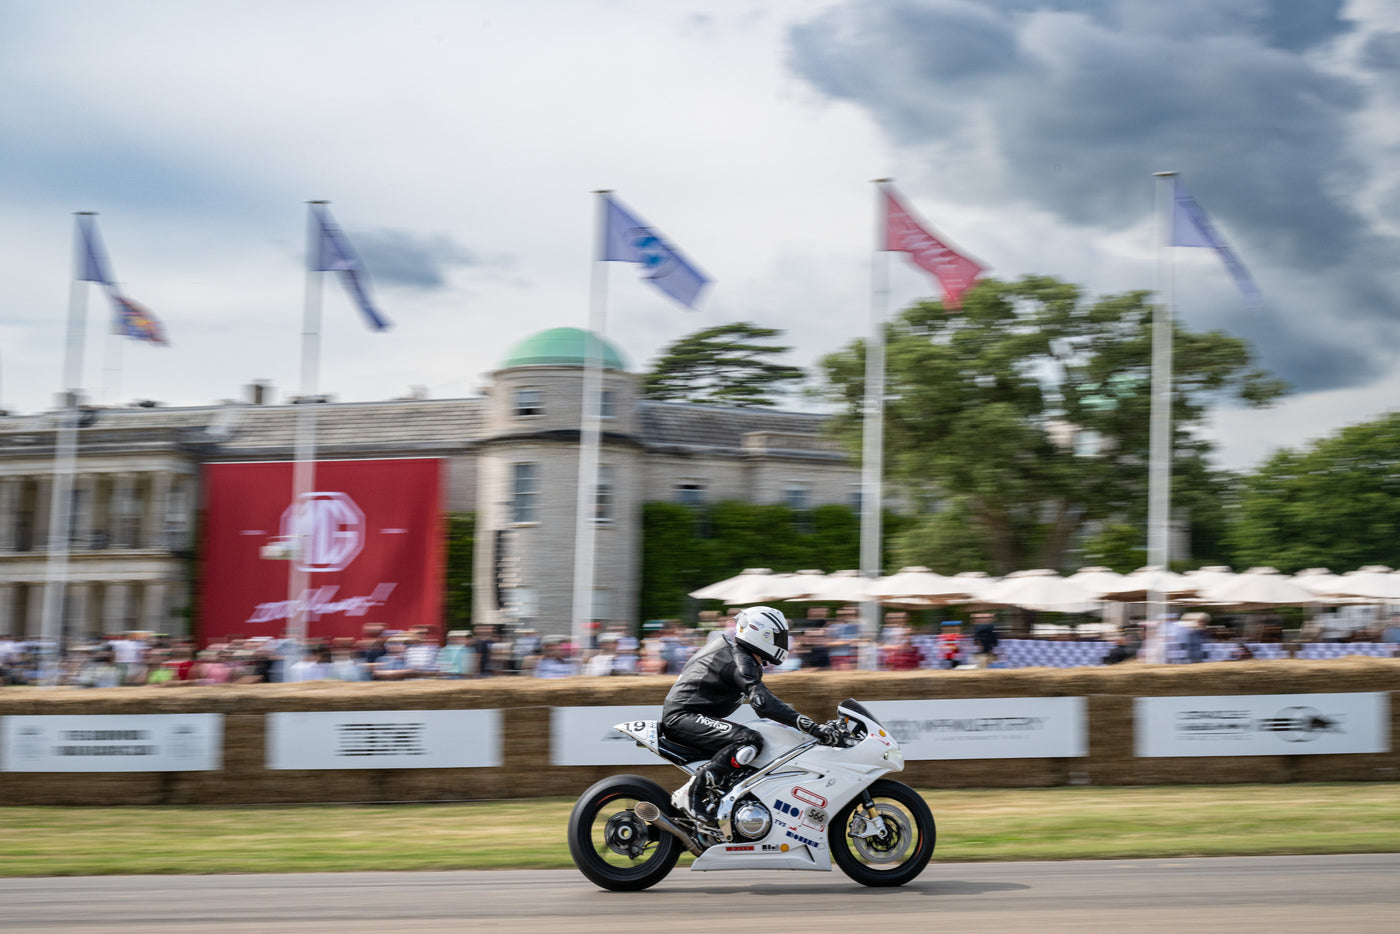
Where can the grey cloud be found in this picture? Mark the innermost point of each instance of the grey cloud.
(400, 258)
(1070, 106)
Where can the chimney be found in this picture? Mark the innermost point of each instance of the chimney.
(259, 392)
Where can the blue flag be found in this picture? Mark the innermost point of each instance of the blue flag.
(333, 254)
(628, 240)
(93, 259)
(129, 319)
(1191, 227)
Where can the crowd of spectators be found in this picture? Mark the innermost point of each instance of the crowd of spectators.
(819, 641)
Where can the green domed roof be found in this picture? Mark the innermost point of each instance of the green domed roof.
(562, 347)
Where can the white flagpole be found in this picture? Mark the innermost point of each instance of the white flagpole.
(1160, 449)
(873, 425)
(590, 425)
(304, 471)
(111, 368)
(64, 461)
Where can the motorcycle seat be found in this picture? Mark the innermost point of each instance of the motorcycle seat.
(679, 753)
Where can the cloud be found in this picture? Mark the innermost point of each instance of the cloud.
(396, 257)
(1068, 107)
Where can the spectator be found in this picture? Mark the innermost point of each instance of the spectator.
(346, 664)
(100, 671)
(129, 654)
(420, 653)
(211, 668)
(315, 665)
(984, 635)
(393, 664)
(457, 659)
(842, 635)
(552, 663)
(1193, 637)
(1122, 651)
(601, 663)
(904, 655)
(950, 646)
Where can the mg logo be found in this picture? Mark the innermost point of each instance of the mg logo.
(330, 528)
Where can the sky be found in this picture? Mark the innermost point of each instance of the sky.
(460, 144)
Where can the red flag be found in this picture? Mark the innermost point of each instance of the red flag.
(903, 233)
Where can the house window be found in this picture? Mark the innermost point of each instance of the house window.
(602, 604)
(525, 493)
(797, 496)
(523, 603)
(604, 495)
(607, 403)
(690, 493)
(528, 402)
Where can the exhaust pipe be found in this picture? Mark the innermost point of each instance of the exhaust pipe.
(652, 815)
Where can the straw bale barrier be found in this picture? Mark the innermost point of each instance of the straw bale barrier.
(525, 705)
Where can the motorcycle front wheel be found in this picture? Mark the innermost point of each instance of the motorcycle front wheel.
(611, 845)
(891, 856)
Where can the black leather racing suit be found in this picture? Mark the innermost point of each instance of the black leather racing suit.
(710, 687)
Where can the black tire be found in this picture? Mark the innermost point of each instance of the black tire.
(898, 855)
(611, 846)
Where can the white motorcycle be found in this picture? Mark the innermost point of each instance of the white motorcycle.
(798, 805)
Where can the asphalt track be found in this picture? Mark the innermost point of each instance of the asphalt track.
(1236, 895)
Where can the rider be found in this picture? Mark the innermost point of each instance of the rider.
(712, 685)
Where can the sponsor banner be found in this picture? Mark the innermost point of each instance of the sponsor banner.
(1262, 725)
(987, 727)
(191, 742)
(384, 739)
(585, 735)
(369, 539)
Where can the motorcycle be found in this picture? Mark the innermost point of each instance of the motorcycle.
(798, 805)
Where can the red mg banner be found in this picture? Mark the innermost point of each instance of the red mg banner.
(371, 543)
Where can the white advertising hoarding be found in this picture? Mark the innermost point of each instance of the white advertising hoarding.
(1262, 725)
(987, 727)
(384, 739)
(191, 742)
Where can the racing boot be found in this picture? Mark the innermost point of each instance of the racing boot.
(704, 792)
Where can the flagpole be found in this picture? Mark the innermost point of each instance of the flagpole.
(304, 470)
(64, 462)
(590, 425)
(873, 423)
(111, 369)
(1160, 448)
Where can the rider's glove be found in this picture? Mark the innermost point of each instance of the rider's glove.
(825, 733)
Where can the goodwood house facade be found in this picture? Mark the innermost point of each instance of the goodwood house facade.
(152, 496)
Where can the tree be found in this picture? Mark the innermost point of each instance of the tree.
(1028, 414)
(457, 575)
(725, 365)
(1334, 505)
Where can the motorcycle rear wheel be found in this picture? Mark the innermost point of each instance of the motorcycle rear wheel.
(613, 847)
(895, 856)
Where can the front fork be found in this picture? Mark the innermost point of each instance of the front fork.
(871, 824)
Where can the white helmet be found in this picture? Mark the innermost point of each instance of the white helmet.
(765, 631)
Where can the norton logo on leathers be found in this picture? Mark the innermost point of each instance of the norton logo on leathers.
(330, 528)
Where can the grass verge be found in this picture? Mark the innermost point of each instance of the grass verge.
(973, 824)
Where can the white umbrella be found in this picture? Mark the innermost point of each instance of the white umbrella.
(1319, 581)
(1374, 582)
(975, 582)
(1041, 590)
(921, 586)
(1257, 589)
(752, 585)
(839, 586)
(1096, 579)
(1201, 578)
(1137, 586)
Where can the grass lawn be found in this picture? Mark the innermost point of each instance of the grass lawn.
(973, 824)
